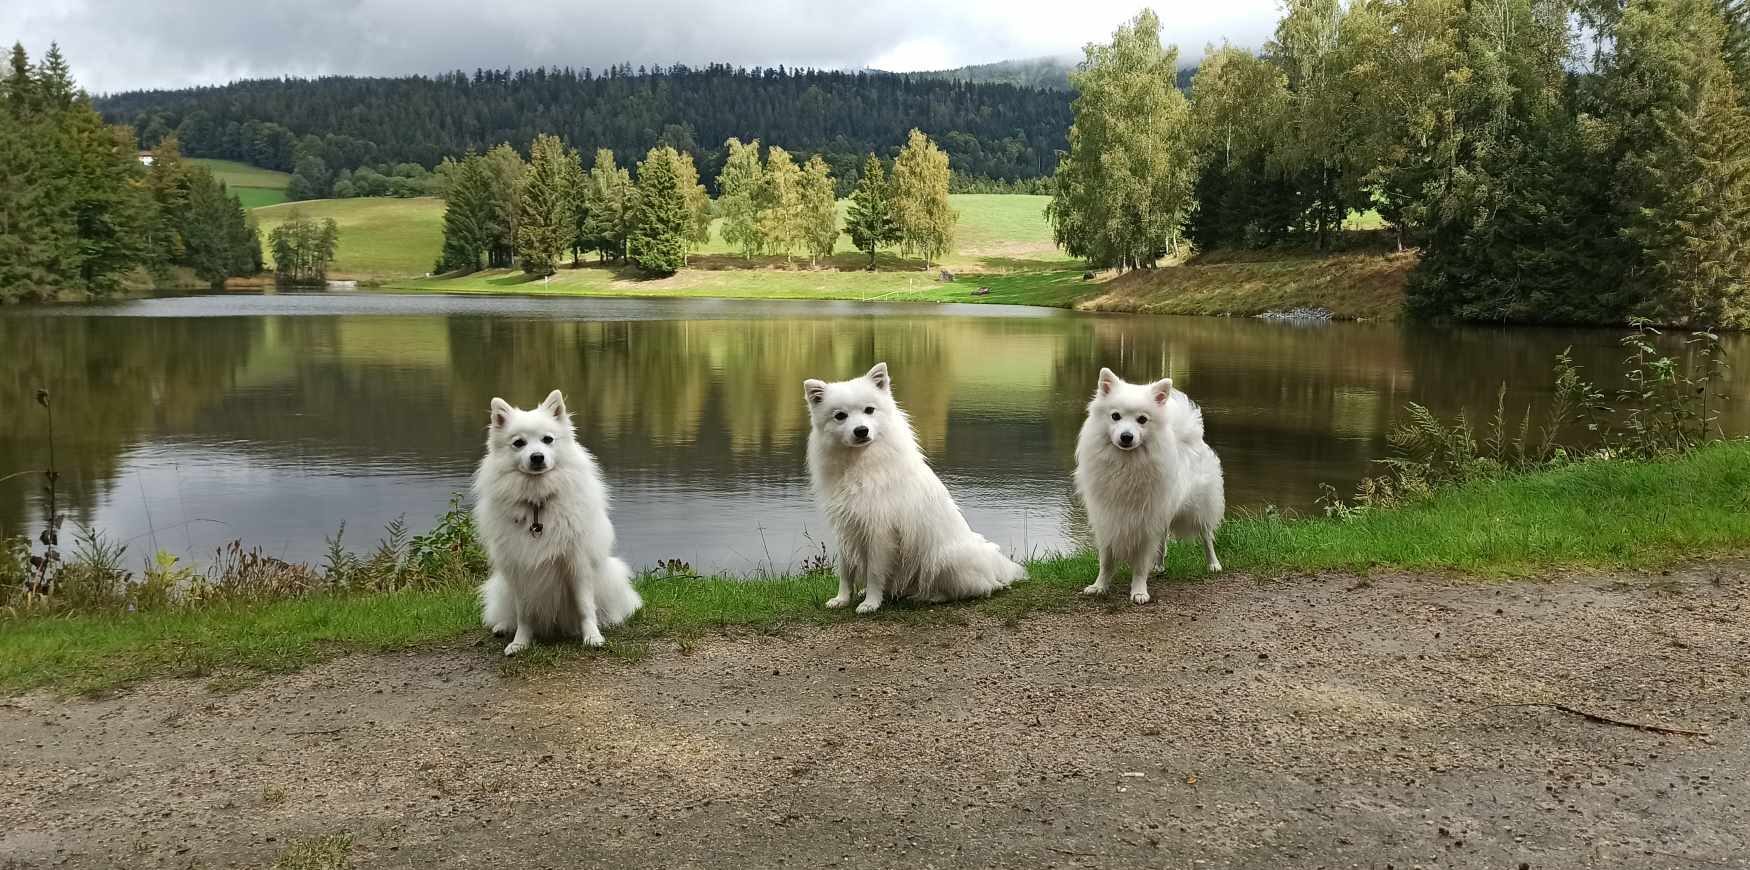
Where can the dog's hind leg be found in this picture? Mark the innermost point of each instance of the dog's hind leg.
(1102, 583)
(1210, 562)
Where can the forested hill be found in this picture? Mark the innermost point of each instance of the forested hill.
(997, 131)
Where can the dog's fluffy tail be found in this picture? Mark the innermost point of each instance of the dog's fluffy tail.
(616, 600)
(972, 569)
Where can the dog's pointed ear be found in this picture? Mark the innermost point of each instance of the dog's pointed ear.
(814, 391)
(554, 404)
(500, 412)
(878, 375)
(1163, 389)
(1108, 380)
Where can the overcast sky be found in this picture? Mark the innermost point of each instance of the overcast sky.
(126, 44)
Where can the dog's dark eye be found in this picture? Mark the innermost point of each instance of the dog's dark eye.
(1142, 421)
(1116, 416)
(869, 410)
(546, 439)
(519, 443)
(840, 416)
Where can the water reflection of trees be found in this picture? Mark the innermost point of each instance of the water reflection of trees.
(715, 405)
(113, 380)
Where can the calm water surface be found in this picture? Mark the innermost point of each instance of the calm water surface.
(184, 423)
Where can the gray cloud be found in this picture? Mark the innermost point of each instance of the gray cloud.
(120, 45)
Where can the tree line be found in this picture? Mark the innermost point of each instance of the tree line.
(502, 210)
(80, 210)
(1554, 160)
(316, 128)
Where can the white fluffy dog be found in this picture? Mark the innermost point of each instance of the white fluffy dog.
(542, 511)
(1146, 477)
(899, 531)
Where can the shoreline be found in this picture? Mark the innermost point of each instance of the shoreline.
(1580, 516)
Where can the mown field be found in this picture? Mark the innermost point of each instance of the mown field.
(256, 187)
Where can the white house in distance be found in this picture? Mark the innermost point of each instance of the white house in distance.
(146, 157)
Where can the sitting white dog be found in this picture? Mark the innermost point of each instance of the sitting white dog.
(542, 512)
(899, 531)
(1143, 471)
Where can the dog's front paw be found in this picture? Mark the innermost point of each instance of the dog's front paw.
(838, 601)
(500, 630)
(1094, 589)
(1139, 596)
(594, 639)
(868, 606)
(516, 646)
(1214, 566)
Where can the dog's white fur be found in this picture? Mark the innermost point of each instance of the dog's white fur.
(899, 532)
(1146, 476)
(564, 580)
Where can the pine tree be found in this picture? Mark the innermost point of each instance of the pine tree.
(819, 212)
(659, 237)
(546, 215)
(469, 212)
(609, 205)
(869, 219)
(920, 199)
(780, 215)
(1686, 187)
(741, 196)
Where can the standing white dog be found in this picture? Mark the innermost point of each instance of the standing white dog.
(900, 533)
(542, 512)
(1143, 471)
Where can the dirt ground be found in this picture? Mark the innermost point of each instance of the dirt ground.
(1313, 722)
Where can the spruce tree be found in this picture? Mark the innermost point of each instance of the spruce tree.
(468, 215)
(658, 243)
(608, 205)
(547, 219)
(869, 219)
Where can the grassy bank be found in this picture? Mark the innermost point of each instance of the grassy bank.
(1594, 514)
(255, 186)
(1003, 246)
(1365, 285)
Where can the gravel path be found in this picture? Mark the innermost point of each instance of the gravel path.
(1316, 722)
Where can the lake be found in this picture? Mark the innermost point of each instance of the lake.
(184, 423)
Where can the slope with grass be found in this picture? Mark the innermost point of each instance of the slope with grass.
(1356, 285)
(1586, 515)
(380, 237)
(255, 186)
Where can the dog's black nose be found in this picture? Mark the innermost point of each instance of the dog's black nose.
(537, 460)
(861, 431)
(1126, 439)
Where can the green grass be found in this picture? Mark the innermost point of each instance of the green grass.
(253, 185)
(1589, 515)
(384, 238)
(379, 236)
